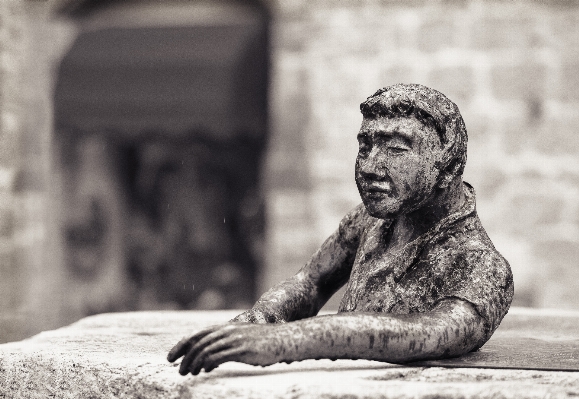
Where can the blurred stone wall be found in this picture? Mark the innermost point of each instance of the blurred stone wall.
(31, 288)
(11, 201)
(513, 70)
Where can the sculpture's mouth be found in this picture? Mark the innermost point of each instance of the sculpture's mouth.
(377, 188)
(377, 193)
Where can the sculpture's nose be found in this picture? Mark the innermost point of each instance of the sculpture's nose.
(372, 166)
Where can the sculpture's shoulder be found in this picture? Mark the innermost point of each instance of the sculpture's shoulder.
(477, 260)
(474, 270)
(467, 239)
(479, 253)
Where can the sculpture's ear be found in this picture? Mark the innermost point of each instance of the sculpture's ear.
(445, 179)
(448, 174)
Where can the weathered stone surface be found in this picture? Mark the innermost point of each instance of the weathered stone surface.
(123, 355)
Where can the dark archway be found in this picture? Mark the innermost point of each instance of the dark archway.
(169, 101)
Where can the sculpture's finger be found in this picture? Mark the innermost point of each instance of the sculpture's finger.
(178, 350)
(216, 347)
(184, 367)
(197, 347)
(224, 331)
(199, 361)
(184, 345)
(216, 359)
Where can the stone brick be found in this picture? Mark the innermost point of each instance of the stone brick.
(6, 220)
(291, 115)
(490, 182)
(570, 180)
(565, 31)
(520, 82)
(516, 32)
(296, 9)
(526, 212)
(518, 135)
(456, 83)
(561, 273)
(559, 137)
(9, 131)
(340, 32)
(437, 33)
(569, 84)
(291, 36)
(30, 178)
(287, 163)
(406, 33)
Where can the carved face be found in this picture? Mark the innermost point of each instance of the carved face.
(396, 169)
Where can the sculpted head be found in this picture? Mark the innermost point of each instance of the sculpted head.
(412, 144)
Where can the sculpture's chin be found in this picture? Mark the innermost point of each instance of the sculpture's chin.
(380, 210)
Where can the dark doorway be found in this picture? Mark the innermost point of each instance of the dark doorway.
(161, 124)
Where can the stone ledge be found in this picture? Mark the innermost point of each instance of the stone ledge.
(123, 355)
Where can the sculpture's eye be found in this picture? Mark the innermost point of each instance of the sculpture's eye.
(364, 146)
(394, 149)
(397, 145)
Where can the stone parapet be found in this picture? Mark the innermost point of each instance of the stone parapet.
(123, 355)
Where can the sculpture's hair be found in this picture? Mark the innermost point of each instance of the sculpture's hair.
(430, 107)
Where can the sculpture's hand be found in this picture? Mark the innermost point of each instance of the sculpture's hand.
(254, 344)
(258, 317)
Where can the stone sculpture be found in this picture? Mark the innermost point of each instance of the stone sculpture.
(424, 280)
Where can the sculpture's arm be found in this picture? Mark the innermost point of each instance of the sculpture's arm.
(304, 294)
(451, 329)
